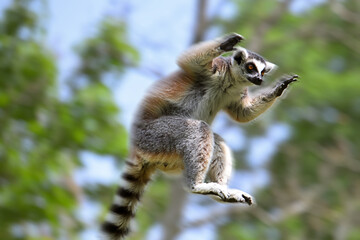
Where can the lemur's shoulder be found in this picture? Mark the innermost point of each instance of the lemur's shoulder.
(220, 64)
(170, 89)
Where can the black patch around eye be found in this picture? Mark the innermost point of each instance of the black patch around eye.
(251, 68)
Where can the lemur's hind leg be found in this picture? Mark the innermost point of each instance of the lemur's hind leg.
(221, 163)
(206, 153)
(191, 139)
(220, 172)
(199, 149)
(197, 154)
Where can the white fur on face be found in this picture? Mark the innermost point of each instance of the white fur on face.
(270, 67)
(259, 65)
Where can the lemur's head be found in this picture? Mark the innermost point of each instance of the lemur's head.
(250, 66)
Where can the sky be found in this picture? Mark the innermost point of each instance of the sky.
(160, 36)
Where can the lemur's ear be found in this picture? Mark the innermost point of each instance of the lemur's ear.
(240, 55)
(269, 66)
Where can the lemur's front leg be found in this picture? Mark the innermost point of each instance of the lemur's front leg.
(200, 56)
(249, 108)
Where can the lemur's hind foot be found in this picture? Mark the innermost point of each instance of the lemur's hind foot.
(236, 196)
(223, 194)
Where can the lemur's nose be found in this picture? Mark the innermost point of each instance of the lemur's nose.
(257, 80)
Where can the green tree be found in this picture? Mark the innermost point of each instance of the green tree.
(41, 135)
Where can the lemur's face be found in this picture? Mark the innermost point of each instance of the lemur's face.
(251, 66)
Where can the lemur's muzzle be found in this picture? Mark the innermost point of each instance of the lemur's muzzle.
(256, 80)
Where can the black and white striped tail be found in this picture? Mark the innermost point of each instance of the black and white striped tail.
(117, 223)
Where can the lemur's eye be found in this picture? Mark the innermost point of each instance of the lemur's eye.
(250, 68)
(262, 73)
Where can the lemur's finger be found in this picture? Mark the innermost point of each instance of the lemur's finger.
(287, 82)
(237, 37)
(294, 78)
(248, 199)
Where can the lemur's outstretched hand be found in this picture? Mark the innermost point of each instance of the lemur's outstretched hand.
(284, 83)
(230, 41)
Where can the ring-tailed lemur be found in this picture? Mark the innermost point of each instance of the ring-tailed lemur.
(171, 131)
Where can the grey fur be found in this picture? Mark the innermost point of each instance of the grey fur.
(172, 127)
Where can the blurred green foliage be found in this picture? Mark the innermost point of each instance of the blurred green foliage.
(107, 52)
(314, 189)
(41, 135)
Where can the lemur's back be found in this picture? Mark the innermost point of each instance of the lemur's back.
(176, 95)
(163, 97)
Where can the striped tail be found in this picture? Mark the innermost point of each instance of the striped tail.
(122, 210)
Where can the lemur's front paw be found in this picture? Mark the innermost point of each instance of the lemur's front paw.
(230, 41)
(237, 196)
(284, 83)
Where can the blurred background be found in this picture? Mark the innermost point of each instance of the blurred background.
(73, 72)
